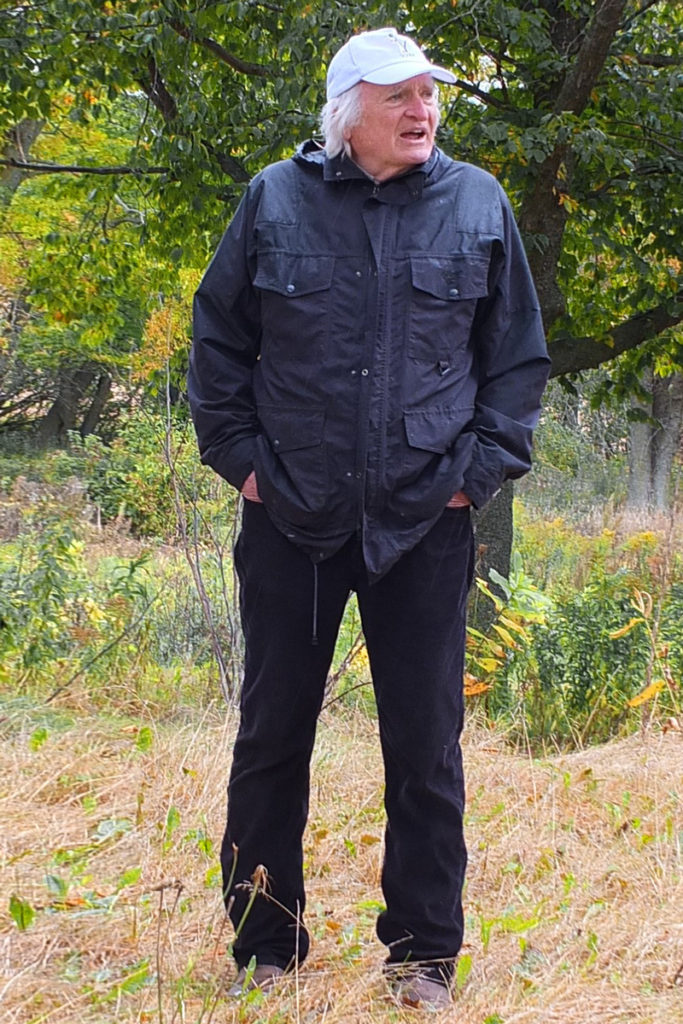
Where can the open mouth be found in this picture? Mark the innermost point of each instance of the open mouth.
(414, 135)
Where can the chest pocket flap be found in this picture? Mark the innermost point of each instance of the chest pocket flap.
(450, 277)
(292, 274)
(292, 428)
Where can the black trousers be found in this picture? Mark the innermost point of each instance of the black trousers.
(414, 625)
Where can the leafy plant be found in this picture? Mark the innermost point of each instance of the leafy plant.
(658, 679)
(21, 912)
(488, 654)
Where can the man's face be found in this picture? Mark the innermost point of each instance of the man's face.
(397, 126)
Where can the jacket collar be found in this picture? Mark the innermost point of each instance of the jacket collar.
(401, 190)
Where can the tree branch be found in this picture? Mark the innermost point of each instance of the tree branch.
(228, 164)
(589, 61)
(657, 60)
(244, 67)
(473, 90)
(159, 95)
(642, 170)
(541, 214)
(637, 14)
(156, 91)
(569, 355)
(45, 168)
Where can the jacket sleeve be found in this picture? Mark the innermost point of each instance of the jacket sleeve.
(225, 349)
(512, 369)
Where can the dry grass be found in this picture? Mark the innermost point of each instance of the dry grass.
(573, 898)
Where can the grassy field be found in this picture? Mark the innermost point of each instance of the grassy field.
(111, 901)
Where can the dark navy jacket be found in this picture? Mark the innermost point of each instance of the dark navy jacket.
(368, 349)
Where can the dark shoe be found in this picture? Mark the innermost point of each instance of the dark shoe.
(263, 976)
(420, 992)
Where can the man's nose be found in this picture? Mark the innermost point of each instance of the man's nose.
(417, 108)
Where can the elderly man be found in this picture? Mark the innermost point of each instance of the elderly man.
(368, 362)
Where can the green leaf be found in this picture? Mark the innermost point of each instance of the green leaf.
(145, 739)
(37, 738)
(139, 976)
(111, 828)
(172, 821)
(21, 912)
(56, 886)
(129, 877)
(212, 877)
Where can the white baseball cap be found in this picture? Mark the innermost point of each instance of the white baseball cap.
(382, 57)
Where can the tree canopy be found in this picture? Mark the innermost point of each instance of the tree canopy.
(131, 128)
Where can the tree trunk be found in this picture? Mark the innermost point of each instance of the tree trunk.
(639, 494)
(92, 416)
(62, 416)
(667, 409)
(18, 144)
(654, 445)
(493, 541)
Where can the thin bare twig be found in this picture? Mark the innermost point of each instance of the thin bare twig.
(192, 554)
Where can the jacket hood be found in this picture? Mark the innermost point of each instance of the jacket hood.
(311, 154)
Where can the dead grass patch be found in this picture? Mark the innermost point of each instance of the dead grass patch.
(110, 836)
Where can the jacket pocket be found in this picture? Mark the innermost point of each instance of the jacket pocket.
(291, 274)
(431, 432)
(290, 463)
(295, 297)
(445, 291)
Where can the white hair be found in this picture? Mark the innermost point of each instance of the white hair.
(338, 117)
(343, 113)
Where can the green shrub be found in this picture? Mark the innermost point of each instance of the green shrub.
(57, 620)
(130, 478)
(615, 625)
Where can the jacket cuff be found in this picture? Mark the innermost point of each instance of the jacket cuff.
(482, 480)
(235, 464)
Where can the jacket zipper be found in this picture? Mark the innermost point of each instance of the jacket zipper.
(368, 361)
(385, 334)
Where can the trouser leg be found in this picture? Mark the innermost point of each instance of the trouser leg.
(282, 692)
(414, 623)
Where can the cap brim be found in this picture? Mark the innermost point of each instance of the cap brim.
(404, 69)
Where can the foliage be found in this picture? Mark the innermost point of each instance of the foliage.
(57, 622)
(603, 646)
(218, 85)
(130, 479)
(570, 658)
(580, 449)
(74, 617)
(577, 110)
(585, 676)
(349, 681)
(79, 288)
(521, 605)
(587, 143)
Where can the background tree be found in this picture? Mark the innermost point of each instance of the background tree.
(577, 108)
(152, 117)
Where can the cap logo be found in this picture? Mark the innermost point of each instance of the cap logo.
(402, 45)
